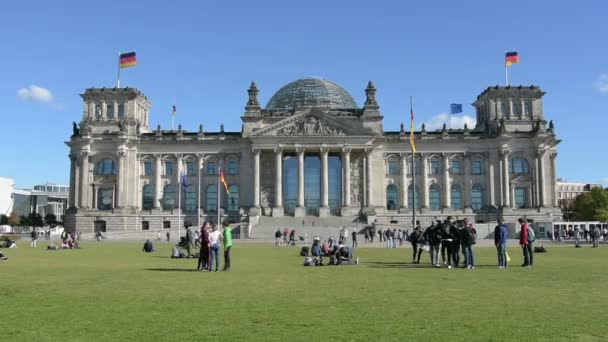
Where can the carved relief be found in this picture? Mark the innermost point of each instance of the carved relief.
(356, 179)
(310, 126)
(267, 196)
(267, 177)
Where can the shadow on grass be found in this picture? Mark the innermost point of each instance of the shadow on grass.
(384, 264)
(171, 269)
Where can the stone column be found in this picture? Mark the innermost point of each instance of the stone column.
(490, 181)
(84, 179)
(77, 181)
(424, 186)
(541, 178)
(277, 211)
(72, 194)
(300, 210)
(370, 179)
(446, 182)
(115, 106)
(104, 110)
(120, 180)
(324, 210)
(256, 177)
(554, 201)
(404, 184)
(346, 180)
(157, 181)
(199, 175)
(506, 189)
(467, 183)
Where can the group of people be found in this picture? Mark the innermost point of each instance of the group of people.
(285, 238)
(450, 237)
(210, 240)
(339, 253)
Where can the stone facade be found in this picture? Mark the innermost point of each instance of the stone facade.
(126, 176)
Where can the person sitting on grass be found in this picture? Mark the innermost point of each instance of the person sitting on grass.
(148, 247)
(52, 247)
(2, 256)
(344, 256)
(325, 248)
(316, 251)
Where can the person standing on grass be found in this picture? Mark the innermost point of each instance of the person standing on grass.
(34, 238)
(168, 236)
(432, 235)
(500, 241)
(456, 233)
(596, 236)
(227, 245)
(277, 238)
(354, 234)
(526, 244)
(416, 241)
(292, 238)
(469, 237)
(189, 240)
(203, 257)
(215, 238)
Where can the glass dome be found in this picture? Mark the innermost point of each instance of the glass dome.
(311, 92)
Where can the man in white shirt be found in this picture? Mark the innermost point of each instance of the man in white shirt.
(215, 237)
(343, 236)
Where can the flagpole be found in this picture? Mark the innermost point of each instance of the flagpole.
(506, 72)
(413, 171)
(219, 195)
(118, 77)
(198, 200)
(172, 120)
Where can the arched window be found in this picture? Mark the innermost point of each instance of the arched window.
(477, 197)
(190, 198)
(211, 199)
(528, 109)
(121, 110)
(169, 197)
(233, 198)
(392, 197)
(456, 197)
(517, 108)
(105, 167)
(110, 110)
(411, 190)
(147, 197)
(503, 109)
(435, 197)
(518, 166)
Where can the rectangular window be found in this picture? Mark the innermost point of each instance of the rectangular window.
(392, 167)
(148, 168)
(169, 168)
(166, 224)
(521, 198)
(456, 167)
(232, 168)
(435, 167)
(145, 225)
(190, 168)
(104, 199)
(476, 167)
(211, 168)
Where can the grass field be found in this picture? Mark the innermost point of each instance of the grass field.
(113, 292)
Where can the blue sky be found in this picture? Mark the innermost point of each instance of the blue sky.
(202, 55)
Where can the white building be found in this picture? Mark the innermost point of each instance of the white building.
(7, 187)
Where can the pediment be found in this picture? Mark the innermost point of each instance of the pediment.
(521, 179)
(311, 123)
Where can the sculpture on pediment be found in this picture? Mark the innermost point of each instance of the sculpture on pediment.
(310, 126)
(75, 129)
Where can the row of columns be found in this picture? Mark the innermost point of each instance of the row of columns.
(300, 205)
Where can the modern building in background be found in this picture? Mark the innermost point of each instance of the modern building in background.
(311, 152)
(567, 193)
(7, 186)
(43, 199)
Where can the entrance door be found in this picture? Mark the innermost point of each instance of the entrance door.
(99, 226)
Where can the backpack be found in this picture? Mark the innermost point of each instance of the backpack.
(304, 251)
(531, 236)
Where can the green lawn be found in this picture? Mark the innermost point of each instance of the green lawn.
(113, 292)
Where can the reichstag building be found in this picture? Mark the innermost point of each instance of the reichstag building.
(310, 152)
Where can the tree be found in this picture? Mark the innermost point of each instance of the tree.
(24, 221)
(592, 206)
(13, 220)
(36, 220)
(3, 219)
(50, 219)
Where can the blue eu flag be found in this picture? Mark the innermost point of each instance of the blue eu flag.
(455, 108)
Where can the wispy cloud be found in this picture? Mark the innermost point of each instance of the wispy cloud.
(458, 121)
(602, 83)
(35, 93)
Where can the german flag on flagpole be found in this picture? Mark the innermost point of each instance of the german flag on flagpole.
(511, 58)
(223, 180)
(127, 59)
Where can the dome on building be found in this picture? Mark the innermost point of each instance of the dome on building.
(311, 92)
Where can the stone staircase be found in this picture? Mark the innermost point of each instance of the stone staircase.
(305, 226)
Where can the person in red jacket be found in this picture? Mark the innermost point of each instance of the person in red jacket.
(525, 243)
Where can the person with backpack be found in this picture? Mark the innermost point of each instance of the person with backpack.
(416, 241)
(500, 241)
(526, 237)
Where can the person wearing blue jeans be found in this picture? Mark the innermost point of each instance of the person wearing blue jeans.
(215, 238)
(500, 241)
(469, 238)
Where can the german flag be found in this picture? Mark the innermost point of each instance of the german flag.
(127, 60)
(511, 58)
(223, 180)
(412, 142)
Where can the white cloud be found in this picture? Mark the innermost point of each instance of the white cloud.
(35, 93)
(604, 182)
(602, 83)
(458, 121)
